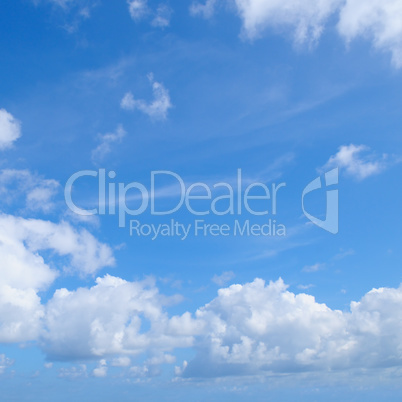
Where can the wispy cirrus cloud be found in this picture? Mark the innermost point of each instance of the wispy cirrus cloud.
(5, 363)
(71, 12)
(37, 191)
(224, 278)
(314, 268)
(206, 9)
(106, 142)
(162, 16)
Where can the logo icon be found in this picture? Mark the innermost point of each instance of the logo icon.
(331, 222)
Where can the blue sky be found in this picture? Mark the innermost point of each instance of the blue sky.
(285, 91)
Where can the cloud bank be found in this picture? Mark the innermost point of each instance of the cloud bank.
(250, 329)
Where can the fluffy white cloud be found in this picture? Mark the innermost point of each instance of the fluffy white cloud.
(377, 20)
(21, 313)
(375, 327)
(119, 318)
(10, 129)
(86, 255)
(157, 109)
(356, 161)
(380, 21)
(257, 328)
(22, 275)
(248, 329)
(101, 370)
(105, 143)
(21, 267)
(23, 272)
(306, 19)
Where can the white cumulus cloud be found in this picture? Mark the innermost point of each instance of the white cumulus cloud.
(249, 329)
(101, 370)
(24, 272)
(21, 313)
(379, 21)
(113, 322)
(257, 327)
(10, 129)
(85, 253)
(357, 161)
(305, 19)
(376, 20)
